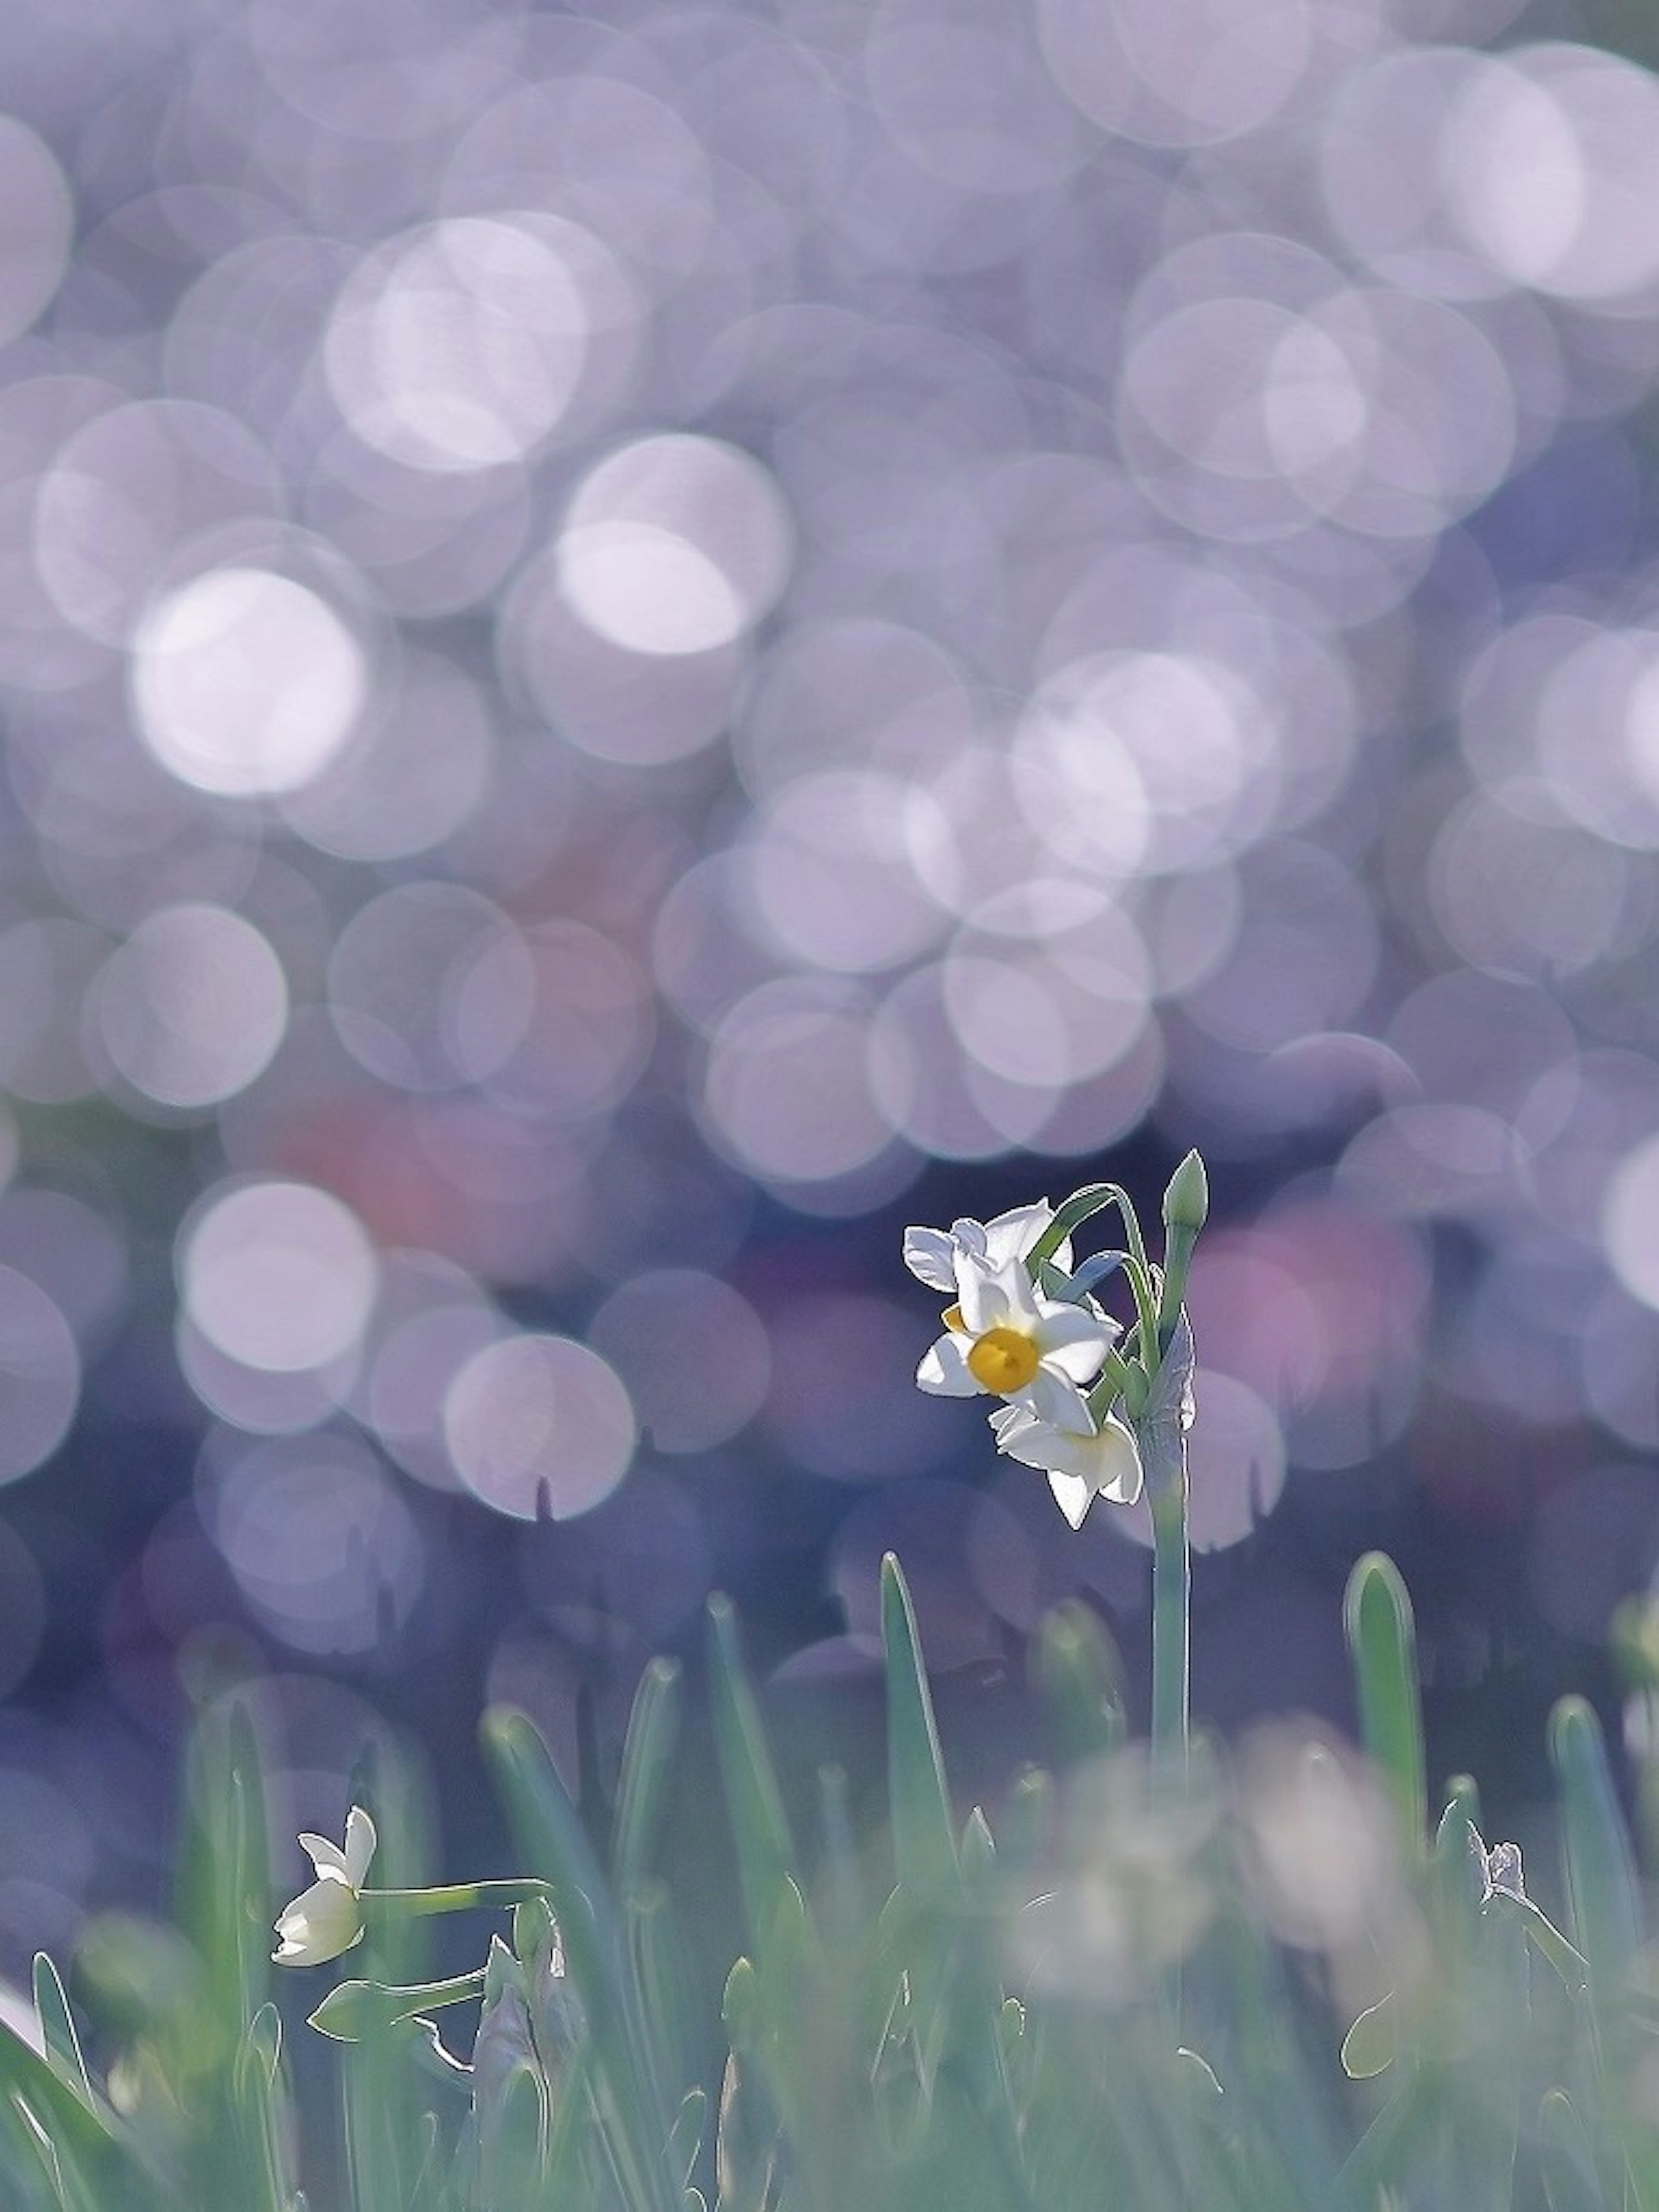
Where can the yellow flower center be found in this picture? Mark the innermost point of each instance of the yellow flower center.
(1003, 1360)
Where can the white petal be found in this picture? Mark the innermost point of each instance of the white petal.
(1039, 1443)
(1011, 1235)
(943, 1371)
(1072, 1494)
(326, 1857)
(1073, 1341)
(1053, 1399)
(982, 1293)
(359, 1842)
(321, 1923)
(1027, 1440)
(1117, 1474)
(1078, 1362)
(929, 1253)
(968, 1236)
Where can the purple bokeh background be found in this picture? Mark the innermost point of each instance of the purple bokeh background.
(639, 645)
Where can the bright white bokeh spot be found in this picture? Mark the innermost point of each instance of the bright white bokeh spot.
(458, 346)
(192, 1007)
(246, 682)
(1629, 1222)
(278, 1275)
(536, 1415)
(1550, 163)
(1147, 761)
(676, 545)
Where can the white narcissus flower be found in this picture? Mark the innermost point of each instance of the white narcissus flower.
(327, 1918)
(931, 1253)
(1081, 1463)
(1004, 1338)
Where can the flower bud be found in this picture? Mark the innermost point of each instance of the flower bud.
(1187, 1201)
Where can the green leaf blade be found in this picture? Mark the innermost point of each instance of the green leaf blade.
(1381, 1639)
(924, 1833)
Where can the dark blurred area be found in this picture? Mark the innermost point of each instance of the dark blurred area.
(637, 646)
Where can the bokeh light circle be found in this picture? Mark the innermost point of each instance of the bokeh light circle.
(37, 227)
(1629, 1222)
(246, 682)
(458, 347)
(536, 1420)
(322, 1546)
(192, 1007)
(675, 545)
(40, 1376)
(693, 1352)
(277, 1274)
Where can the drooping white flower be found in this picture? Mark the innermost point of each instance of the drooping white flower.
(327, 1918)
(931, 1253)
(1082, 1463)
(1004, 1338)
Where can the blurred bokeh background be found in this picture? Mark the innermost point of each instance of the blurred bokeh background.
(639, 644)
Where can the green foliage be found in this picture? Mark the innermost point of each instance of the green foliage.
(1270, 1989)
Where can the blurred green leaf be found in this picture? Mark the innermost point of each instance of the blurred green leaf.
(86, 2150)
(57, 2033)
(648, 1754)
(1079, 1674)
(1600, 1867)
(760, 1828)
(267, 2119)
(1566, 2162)
(552, 1836)
(924, 1838)
(1382, 1648)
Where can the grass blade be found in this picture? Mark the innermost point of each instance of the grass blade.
(63, 2045)
(1080, 1676)
(551, 1834)
(1600, 1867)
(648, 1754)
(924, 1836)
(1381, 1635)
(760, 1827)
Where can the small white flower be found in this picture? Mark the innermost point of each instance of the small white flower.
(327, 1918)
(931, 1253)
(1004, 1338)
(1082, 1463)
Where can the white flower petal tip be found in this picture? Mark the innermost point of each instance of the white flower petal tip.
(930, 1255)
(359, 1842)
(1072, 1494)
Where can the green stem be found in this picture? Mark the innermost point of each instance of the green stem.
(452, 1897)
(1171, 1593)
(1172, 1598)
(1177, 1260)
